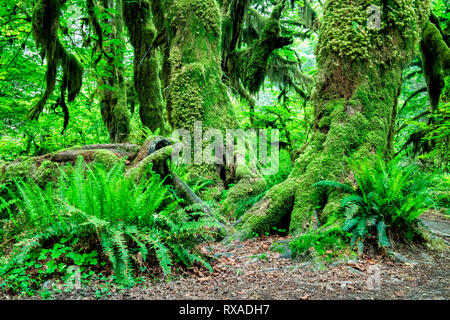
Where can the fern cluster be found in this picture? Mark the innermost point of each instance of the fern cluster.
(386, 202)
(90, 202)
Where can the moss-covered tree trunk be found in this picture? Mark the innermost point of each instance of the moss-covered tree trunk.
(111, 83)
(360, 74)
(138, 18)
(195, 91)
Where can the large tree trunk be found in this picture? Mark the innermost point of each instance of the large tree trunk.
(360, 74)
(195, 91)
(111, 83)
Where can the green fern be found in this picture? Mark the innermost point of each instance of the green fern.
(333, 185)
(388, 201)
(126, 217)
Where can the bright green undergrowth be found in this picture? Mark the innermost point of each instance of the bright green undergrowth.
(129, 224)
(383, 206)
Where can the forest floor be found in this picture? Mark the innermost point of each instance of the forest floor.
(253, 270)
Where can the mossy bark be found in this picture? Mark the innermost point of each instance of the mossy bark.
(436, 62)
(193, 81)
(252, 62)
(111, 83)
(360, 74)
(46, 168)
(195, 91)
(139, 20)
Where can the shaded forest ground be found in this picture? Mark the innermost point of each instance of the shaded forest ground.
(252, 269)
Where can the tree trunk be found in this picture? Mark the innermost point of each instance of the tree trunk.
(111, 83)
(360, 74)
(195, 91)
(138, 18)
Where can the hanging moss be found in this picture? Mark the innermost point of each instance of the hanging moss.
(195, 91)
(138, 19)
(111, 82)
(252, 62)
(436, 62)
(308, 15)
(45, 25)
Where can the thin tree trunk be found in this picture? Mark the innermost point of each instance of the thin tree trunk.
(111, 84)
(138, 18)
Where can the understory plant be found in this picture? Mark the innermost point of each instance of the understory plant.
(130, 223)
(384, 204)
(284, 169)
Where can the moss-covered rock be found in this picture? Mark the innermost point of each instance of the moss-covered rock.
(47, 172)
(105, 157)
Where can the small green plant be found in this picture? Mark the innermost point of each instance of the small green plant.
(386, 203)
(326, 241)
(441, 192)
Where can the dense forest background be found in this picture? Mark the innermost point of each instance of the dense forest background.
(359, 91)
(283, 100)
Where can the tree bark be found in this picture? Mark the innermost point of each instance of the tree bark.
(360, 74)
(138, 18)
(111, 83)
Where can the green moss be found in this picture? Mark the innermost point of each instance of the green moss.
(142, 31)
(47, 172)
(433, 38)
(252, 62)
(111, 82)
(196, 91)
(436, 62)
(156, 162)
(249, 185)
(354, 100)
(45, 26)
(269, 211)
(105, 157)
(19, 169)
(344, 32)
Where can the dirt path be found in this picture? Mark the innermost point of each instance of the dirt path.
(251, 270)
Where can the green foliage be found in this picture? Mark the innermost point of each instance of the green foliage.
(103, 208)
(387, 201)
(441, 192)
(326, 241)
(61, 260)
(284, 169)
